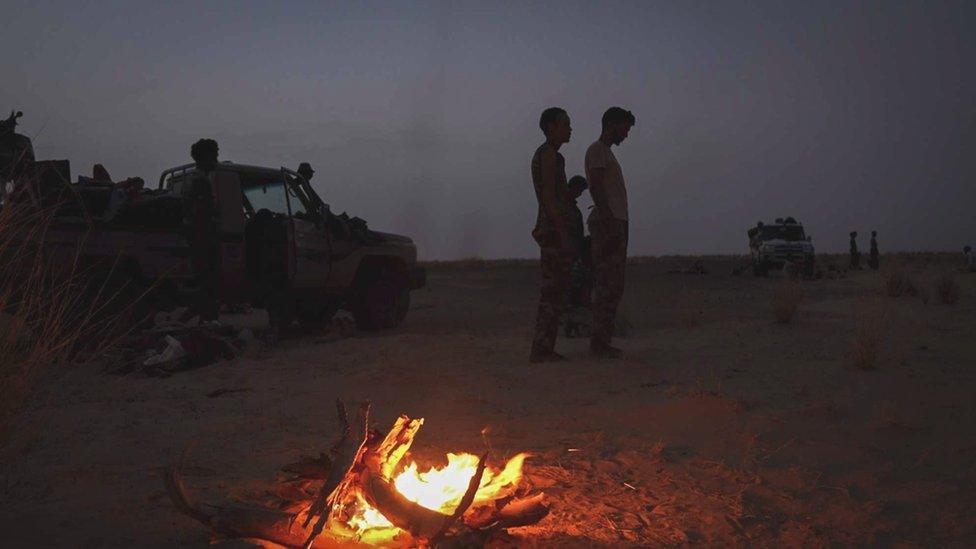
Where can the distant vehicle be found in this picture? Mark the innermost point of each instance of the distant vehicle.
(772, 246)
(279, 246)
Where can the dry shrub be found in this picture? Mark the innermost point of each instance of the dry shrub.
(899, 282)
(948, 289)
(869, 335)
(786, 301)
(50, 313)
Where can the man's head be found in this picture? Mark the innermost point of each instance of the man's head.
(305, 170)
(853, 234)
(966, 249)
(577, 184)
(204, 152)
(554, 122)
(617, 123)
(874, 234)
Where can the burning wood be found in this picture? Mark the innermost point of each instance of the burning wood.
(367, 497)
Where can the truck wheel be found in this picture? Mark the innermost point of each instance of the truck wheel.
(281, 310)
(316, 313)
(383, 303)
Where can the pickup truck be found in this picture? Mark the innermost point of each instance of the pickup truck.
(280, 246)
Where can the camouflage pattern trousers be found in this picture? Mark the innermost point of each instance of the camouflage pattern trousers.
(555, 266)
(609, 262)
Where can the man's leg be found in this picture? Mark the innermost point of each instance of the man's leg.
(610, 258)
(552, 302)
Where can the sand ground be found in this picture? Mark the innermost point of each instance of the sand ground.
(720, 427)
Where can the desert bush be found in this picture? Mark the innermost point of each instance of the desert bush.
(899, 282)
(50, 312)
(786, 301)
(867, 348)
(948, 289)
(869, 335)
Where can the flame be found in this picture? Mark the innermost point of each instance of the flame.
(439, 489)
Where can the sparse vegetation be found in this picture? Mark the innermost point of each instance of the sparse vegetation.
(948, 289)
(786, 301)
(899, 282)
(869, 335)
(48, 313)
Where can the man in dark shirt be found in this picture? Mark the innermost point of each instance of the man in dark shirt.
(551, 232)
(873, 257)
(855, 255)
(581, 273)
(201, 222)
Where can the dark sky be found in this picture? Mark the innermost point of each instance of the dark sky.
(422, 117)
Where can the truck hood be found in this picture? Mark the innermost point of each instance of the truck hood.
(394, 238)
(802, 244)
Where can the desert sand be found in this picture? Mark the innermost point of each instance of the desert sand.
(720, 426)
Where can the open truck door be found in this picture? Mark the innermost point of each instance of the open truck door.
(311, 242)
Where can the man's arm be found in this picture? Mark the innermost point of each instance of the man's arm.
(599, 193)
(547, 194)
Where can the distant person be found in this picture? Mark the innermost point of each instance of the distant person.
(581, 272)
(201, 223)
(855, 255)
(608, 227)
(305, 170)
(100, 174)
(970, 257)
(873, 259)
(551, 232)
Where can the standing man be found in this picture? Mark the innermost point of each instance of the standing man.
(551, 232)
(855, 255)
(201, 222)
(873, 259)
(608, 227)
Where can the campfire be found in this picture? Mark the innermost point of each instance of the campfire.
(365, 493)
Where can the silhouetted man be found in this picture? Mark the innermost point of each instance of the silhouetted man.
(201, 220)
(873, 259)
(608, 227)
(970, 259)
(580, 273)
(577, 319)
(551, 232)
(855, 255)
(305, 170)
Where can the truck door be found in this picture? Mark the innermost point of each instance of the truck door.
(230, 230)
(311, 241)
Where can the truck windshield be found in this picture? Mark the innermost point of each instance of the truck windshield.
(267, 196)
(783, 232)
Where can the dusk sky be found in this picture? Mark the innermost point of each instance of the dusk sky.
(422, 117)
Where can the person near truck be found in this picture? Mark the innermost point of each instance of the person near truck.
(201, 224)
(551, 232)
(608, 223)
(873, 255)
(855, 255)
(970, 260)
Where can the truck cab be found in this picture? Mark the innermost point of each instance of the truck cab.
(771, 246)
(280, 246)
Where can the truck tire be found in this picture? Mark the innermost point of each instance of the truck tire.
(382, 303)
(281, 309)
(316, 313)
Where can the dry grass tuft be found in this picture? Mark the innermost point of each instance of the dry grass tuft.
(50, 312)
(948, 289)
(869, 336)
(899, 282)
(787, 298)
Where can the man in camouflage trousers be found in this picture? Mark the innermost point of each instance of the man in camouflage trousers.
(551, 232)
(608, 224)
